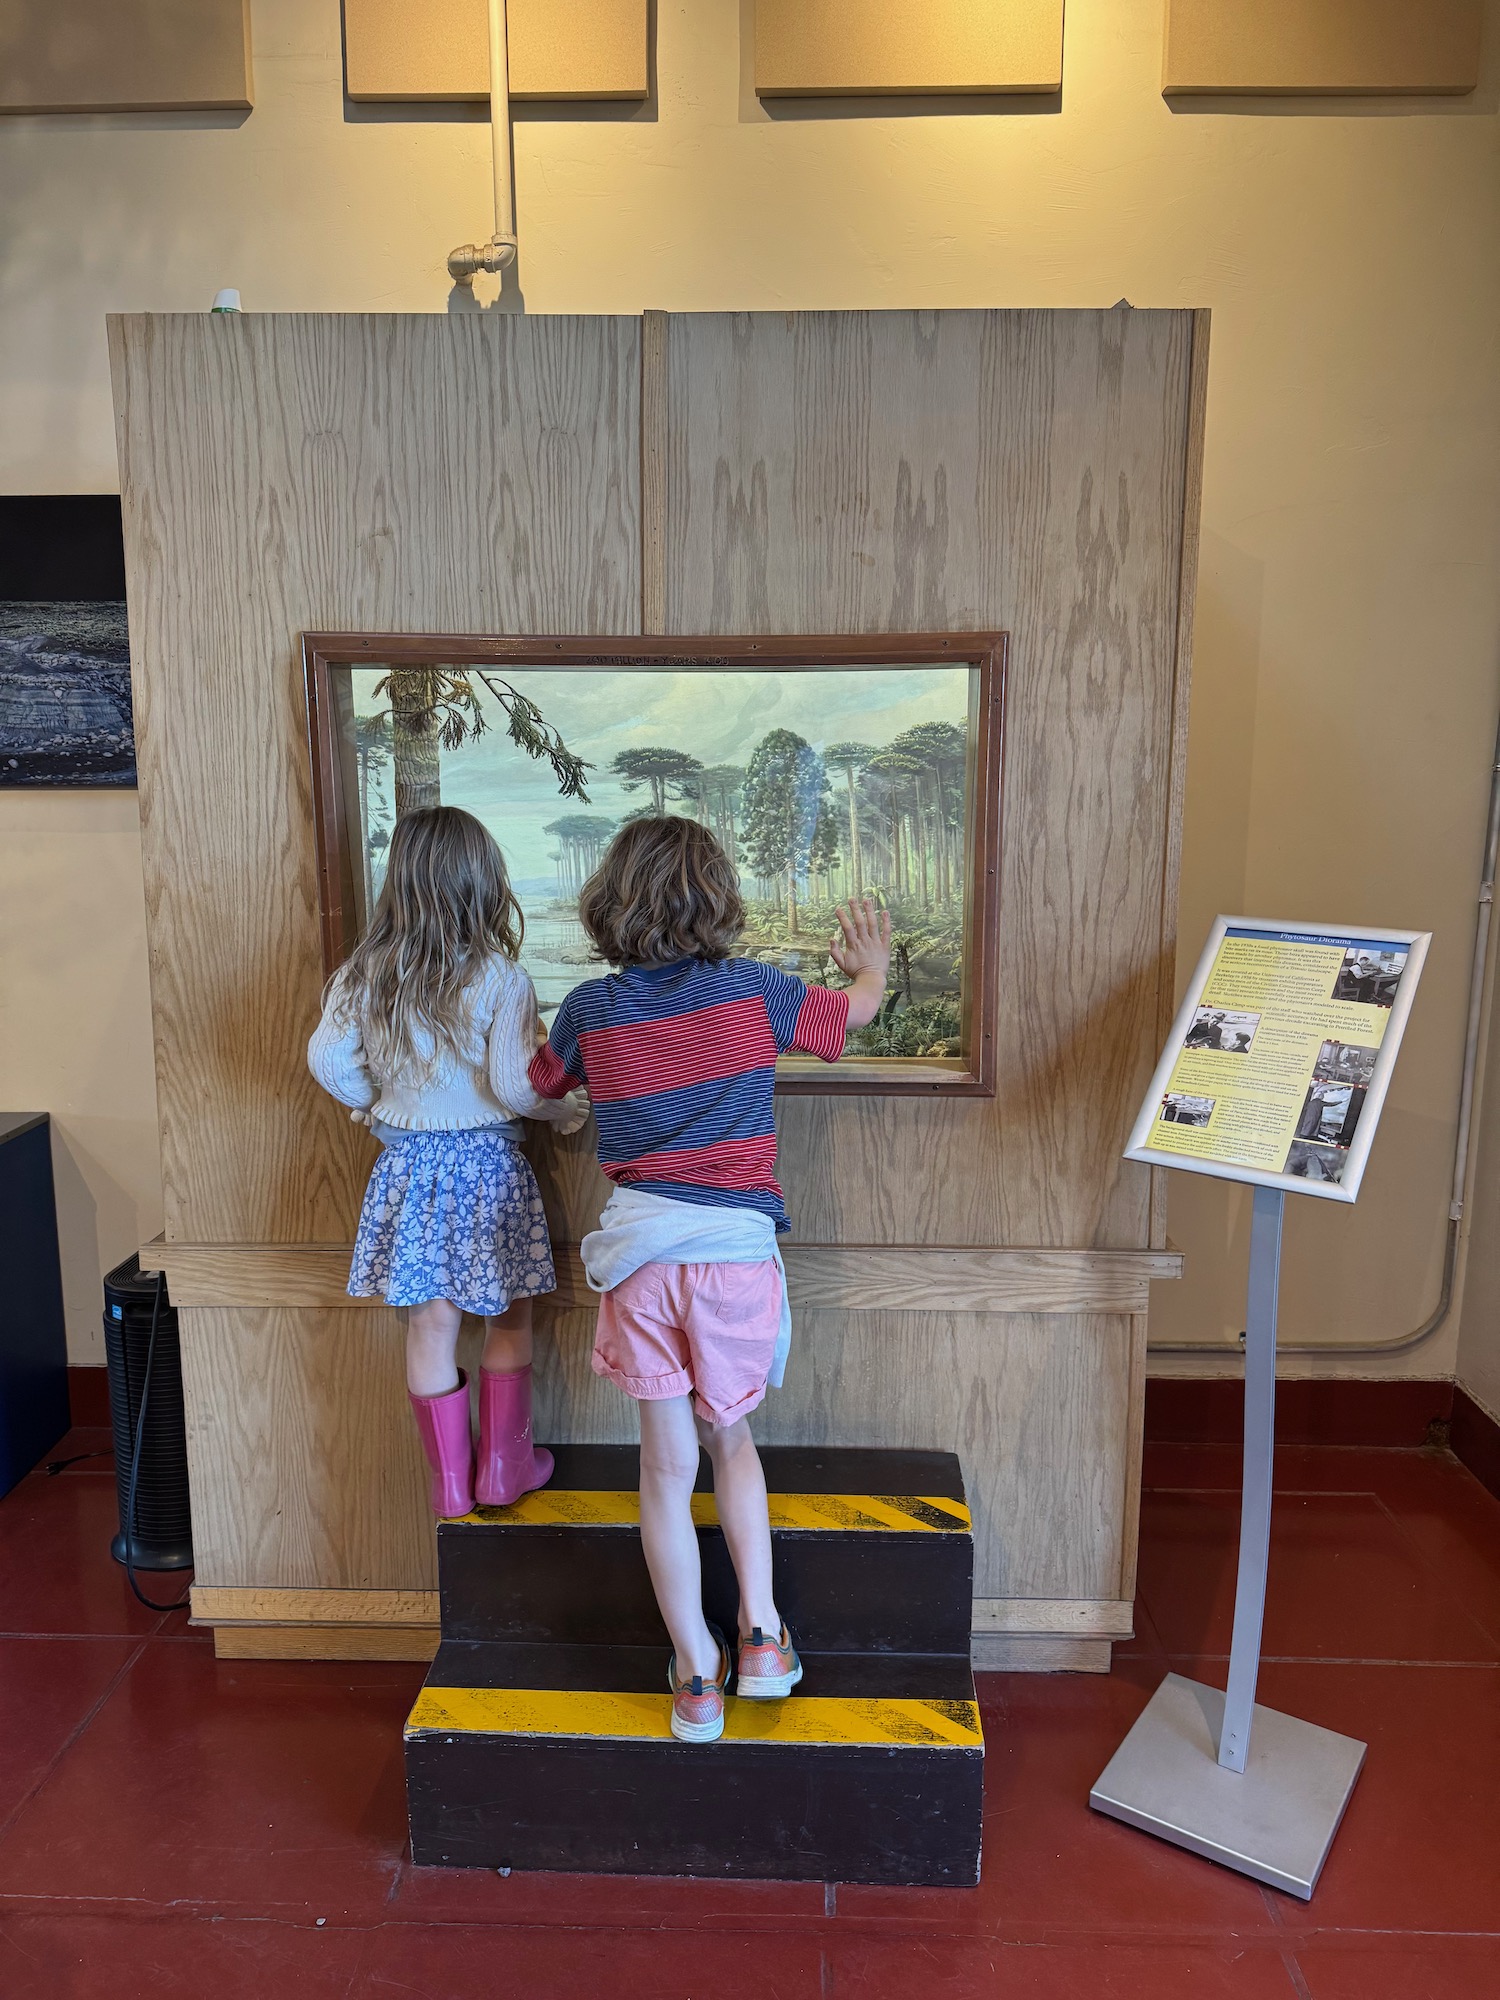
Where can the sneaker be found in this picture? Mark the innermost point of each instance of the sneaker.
(697, 1704)
(769, 1668)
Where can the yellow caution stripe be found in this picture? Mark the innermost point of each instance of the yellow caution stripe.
(871, 1512)
(888, 1723)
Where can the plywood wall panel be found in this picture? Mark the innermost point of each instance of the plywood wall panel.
(806, 48)
(327, 1485)
(356, 473)
(125, 55)
(440, 49)
(863, 472)
(1037, 1406)
(1040, 1407)
(1306, 47)
(330, 1491)
(840, 472)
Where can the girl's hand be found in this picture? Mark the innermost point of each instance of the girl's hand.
(575, 1113)
(866, 942)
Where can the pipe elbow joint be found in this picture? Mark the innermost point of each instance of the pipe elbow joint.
(469, 259)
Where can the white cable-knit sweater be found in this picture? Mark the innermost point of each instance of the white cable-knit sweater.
(483, 1083)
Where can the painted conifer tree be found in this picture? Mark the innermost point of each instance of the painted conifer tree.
(438, 708)
(785, 787)
(851, 759)
(657, 766)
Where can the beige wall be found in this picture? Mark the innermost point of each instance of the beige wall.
(1349, 616)
(75, 1026)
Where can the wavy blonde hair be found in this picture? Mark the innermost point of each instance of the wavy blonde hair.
(445, 909)
(664, 890)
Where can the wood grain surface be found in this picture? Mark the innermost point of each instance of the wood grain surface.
(654, 440)
(281, 473)
(856, 1277)
(305, 1467)
(1059, 1617)
(307, 1474)
(1027, 1653)
(219, 1606)
(1037, 1406)
(816, 473)
(325, 1642)
(1021, 471)
(1187, 598)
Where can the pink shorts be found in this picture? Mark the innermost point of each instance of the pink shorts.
(705, 1330)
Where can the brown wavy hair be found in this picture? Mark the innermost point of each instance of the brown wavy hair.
(444, 910)
(664, 890)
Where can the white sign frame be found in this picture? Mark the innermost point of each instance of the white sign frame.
(1346, 1189)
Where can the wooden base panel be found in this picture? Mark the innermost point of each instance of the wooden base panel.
(325, 1642)
(1039, 1653)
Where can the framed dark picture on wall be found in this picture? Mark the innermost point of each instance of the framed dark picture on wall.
(826, 766)
(65, 709)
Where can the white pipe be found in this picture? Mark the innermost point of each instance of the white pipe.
(500, 251)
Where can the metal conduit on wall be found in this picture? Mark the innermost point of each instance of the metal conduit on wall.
(1404, 1342)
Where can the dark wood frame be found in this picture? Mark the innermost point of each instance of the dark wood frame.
(985, 652)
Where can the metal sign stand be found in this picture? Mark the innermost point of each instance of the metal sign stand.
(1217, 1773)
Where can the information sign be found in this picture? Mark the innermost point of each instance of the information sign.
(1280, 1056)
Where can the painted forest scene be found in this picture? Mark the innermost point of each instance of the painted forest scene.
(820, 784)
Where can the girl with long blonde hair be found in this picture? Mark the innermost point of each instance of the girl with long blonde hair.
(427, 1032)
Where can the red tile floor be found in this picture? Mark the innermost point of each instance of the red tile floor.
(175, 1825)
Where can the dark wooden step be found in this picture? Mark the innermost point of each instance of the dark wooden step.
(561, 1757)
(873, 1552)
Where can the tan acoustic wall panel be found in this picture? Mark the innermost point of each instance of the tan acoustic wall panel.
(1314, 47)
(124, 55)
(398, 50)
(829, 48)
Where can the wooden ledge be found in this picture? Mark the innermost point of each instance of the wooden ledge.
(843, 1277)
(1019, 1634)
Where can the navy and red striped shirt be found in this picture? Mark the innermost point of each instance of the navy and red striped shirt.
(680, 1062)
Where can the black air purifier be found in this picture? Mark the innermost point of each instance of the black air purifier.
(162, 1532)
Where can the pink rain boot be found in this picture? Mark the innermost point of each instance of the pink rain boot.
(443, 1426)
(509, 1464)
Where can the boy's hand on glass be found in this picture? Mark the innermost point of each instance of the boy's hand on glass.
(866, 942)
(863, 955)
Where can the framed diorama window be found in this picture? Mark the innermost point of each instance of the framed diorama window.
(826, 766)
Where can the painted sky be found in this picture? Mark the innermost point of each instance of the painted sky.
(716, 717)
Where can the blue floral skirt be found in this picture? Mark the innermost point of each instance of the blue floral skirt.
(452, 1215)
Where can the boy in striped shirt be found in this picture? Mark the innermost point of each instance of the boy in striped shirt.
(678, 1049)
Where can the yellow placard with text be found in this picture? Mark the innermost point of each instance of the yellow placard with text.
(1274, 1069)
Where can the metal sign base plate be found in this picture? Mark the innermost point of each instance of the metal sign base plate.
(1275, 1820)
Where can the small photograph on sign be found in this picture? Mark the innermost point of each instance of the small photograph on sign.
(1218, 1028)
(1179, 1110)
(1369, 977)
(1344, 1062)
(1330, 1112)
(1315, 1163)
